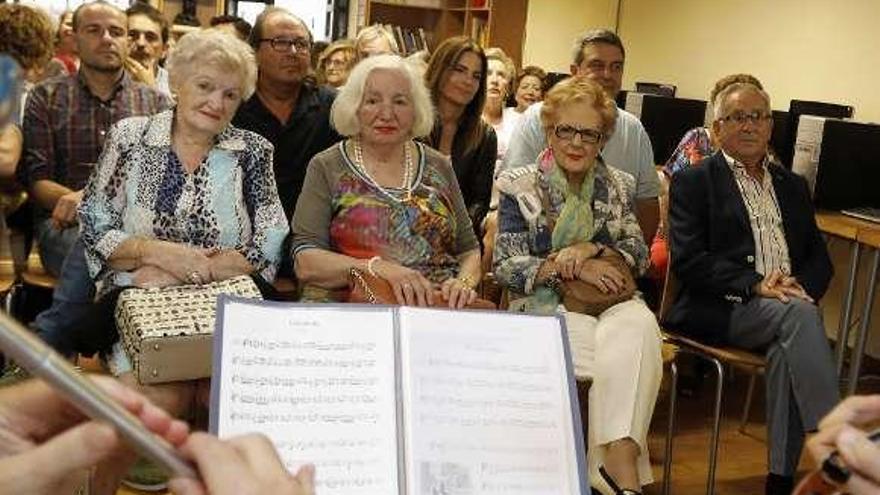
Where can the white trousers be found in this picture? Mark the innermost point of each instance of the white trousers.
(620, 353)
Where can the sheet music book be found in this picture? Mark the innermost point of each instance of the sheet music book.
(402, 400)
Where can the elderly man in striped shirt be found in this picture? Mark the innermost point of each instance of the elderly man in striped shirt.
(752, 264)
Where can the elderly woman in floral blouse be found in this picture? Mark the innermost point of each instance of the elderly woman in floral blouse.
(586, 214)
(183, 197)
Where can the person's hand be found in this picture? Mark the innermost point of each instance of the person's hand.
(245, 465)
(777, 285)
(602, 274)
(458, 293)
(139, 72)
(570, 259)
(790, 286)
(64, 213)
(46, 443)
(149, 276)
(187, 263)
(410, 287)
(842, 430)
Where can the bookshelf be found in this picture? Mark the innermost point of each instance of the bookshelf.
(498, 23)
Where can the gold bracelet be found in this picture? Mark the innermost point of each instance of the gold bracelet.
(370, 265)
(468, 281)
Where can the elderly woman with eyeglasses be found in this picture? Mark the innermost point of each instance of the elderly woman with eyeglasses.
(586, 214)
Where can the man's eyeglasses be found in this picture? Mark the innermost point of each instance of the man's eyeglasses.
(567, 133)
(740, 118)
(301, 45)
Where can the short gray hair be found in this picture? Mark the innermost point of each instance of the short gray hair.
(721, 97)
(216, 47)
(343, 113)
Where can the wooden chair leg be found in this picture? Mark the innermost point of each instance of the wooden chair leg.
(670, 428)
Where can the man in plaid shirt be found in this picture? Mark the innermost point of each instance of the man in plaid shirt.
(65, 123)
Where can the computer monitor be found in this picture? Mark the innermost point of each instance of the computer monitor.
(849, 166)
(779, 136)
(666, 120)
(553, 78)
(796, 108)
(659, 89)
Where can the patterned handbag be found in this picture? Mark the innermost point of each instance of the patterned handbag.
(168, 332)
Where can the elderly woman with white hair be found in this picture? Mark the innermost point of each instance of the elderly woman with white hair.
(381, 202)
(183, 197)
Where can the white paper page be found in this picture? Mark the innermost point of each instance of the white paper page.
(486, 404)
(808, 148)
(320, 383)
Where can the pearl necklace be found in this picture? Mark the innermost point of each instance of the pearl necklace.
(408, 171)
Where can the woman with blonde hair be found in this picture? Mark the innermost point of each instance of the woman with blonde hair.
(586, 230)
(499, 81)
(335, 63)
(181, 197)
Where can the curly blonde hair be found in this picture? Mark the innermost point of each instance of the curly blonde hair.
(578, 89)
(213, 46)
(26, 34)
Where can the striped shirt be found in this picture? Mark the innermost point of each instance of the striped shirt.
(65, 125)
(771, 249)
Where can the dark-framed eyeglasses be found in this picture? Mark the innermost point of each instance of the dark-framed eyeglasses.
(567, 133)
(740, 118)
(301, 45)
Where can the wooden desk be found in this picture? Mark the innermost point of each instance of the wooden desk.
(859, 233)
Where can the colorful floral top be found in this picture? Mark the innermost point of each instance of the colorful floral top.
(341, 210)
(695, 146)
(140, 188)
(521, 246)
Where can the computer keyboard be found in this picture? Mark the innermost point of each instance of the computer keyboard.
(865, 213)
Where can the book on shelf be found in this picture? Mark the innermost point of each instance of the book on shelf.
(400, 400)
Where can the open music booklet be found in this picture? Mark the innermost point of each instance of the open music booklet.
(400, 400)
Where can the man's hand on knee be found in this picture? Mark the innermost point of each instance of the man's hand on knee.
(777, 285)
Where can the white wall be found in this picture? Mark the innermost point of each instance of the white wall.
(803, 49)
(552, 26)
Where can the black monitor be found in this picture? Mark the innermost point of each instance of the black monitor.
(849, 166)
(779, 136)
(667, 120)
(621, 98)
(802, 107)
(659, 89)
(553, 78)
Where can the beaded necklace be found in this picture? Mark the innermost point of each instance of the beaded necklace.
(408, 171)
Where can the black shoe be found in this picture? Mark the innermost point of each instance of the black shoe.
(776, 484)
(614, 486)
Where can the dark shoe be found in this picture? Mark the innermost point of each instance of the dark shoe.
(776, 484)
(614, 486)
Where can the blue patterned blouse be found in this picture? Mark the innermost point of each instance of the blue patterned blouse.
(140, 188)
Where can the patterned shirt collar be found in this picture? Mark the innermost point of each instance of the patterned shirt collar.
(735, 164)
(158, 133)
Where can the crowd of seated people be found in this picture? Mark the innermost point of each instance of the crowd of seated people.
(230, 153)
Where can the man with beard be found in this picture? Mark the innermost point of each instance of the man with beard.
(148, 42)
(65, 124)
(288, 108)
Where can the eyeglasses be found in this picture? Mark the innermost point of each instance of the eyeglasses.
(567, 132)
(740, 118)
(301, 45)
